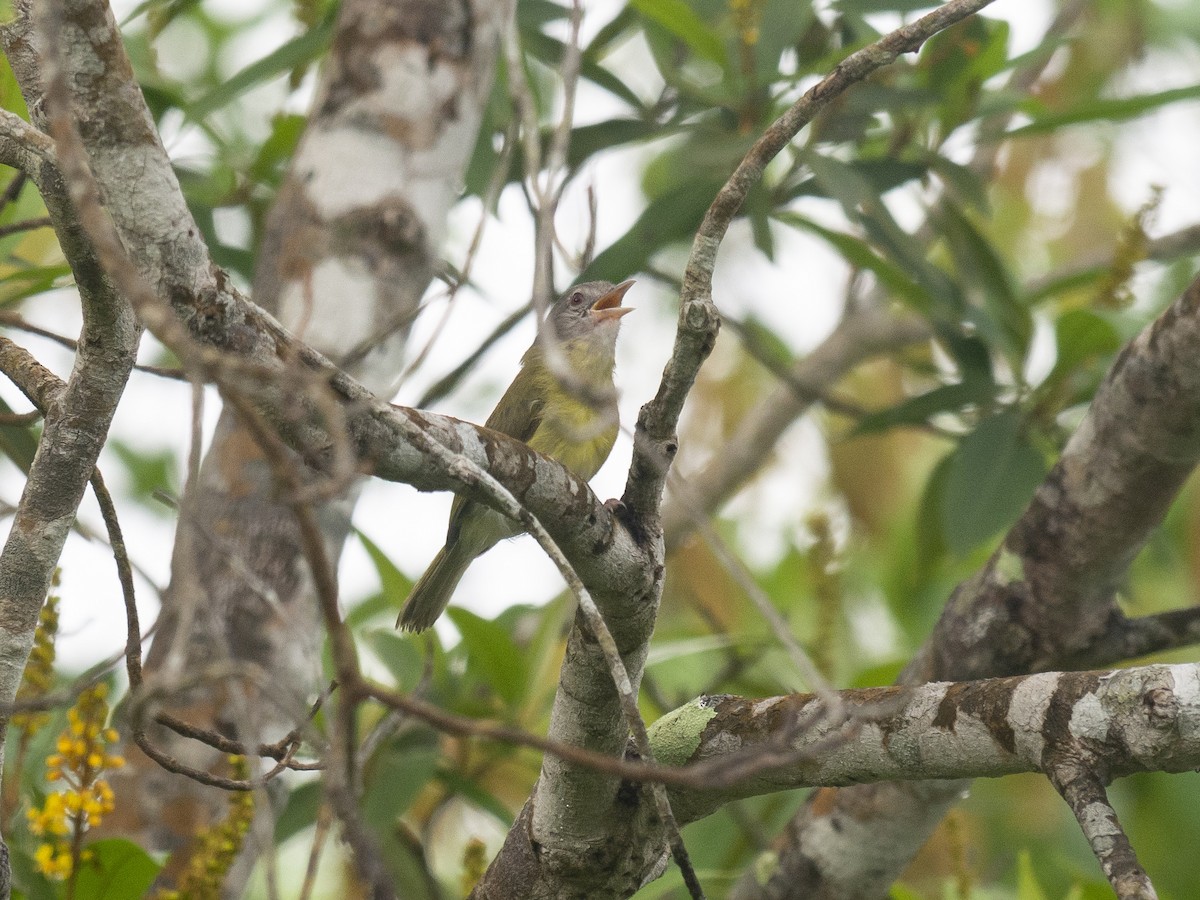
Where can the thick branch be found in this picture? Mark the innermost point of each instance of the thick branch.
(1131, 720)
(1077, 782)
(78, 420)
(76, 425)
(1045, 599)
(1057, 571)
(577, 824)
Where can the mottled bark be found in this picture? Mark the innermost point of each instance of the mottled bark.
(77, 415)
(351, 243)
(1046, 597)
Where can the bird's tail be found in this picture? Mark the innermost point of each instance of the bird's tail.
(431, 594)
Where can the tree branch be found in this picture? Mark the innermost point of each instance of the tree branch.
(860, 335)
(698, 319)
(1084, 792)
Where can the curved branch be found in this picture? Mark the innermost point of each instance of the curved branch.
(698, 318)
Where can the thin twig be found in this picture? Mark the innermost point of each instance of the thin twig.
(27, 225)
(451, 379)
(13, 190)
(43, 388)
(341, 773)
(320, 833)
(732, 564)
(20, 420)
(13, 320)
(116, 540)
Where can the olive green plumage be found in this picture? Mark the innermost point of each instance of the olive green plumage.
(551, 417)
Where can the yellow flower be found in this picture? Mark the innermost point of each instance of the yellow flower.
(38, 677)
(80, 761)
(218, 847)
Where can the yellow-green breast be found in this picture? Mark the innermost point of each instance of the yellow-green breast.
(574, 430)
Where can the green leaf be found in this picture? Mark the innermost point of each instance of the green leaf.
(929, 532)
(963, 183)
(781, 27)
(758, 211)
(882, 175)
(879, 674)
(666, 220)
(1107, 110)
(1081, 335)
(859, 253)
(153, 472)
(276, 151)
(1006, 322)
(588, 140)
(533, 15)
(550, 52)
(920, 409)
(394, 587)
(1055, 285)
(485, 158)
(762, 342)
(1028, 887)
(472, 790)
(866, 7)
(18, 443)
(299, 812)
(371, 608)
(993, 473)
(28, 882)
(299, 51)
(681, 648)
(395, 584)
(620, 25)
(16, 286)
(863, 204)
(956, 63)
(404, 856)
(492, 654)
(118, 870)
(679, 18)
(402, 656)
(395, 775)
(972, 355)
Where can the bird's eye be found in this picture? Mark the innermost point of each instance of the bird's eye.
(576, 298)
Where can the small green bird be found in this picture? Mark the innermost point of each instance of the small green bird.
(549, 416)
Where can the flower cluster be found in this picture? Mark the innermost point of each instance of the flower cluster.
(747, 15)
(80, 759)
(216, 847)
(39, 671)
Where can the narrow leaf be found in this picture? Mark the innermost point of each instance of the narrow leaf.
(681, 20)
(300, 50)
(993, 473)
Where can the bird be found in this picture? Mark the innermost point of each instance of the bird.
(568, 416)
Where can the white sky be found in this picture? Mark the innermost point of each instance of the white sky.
(156, 413)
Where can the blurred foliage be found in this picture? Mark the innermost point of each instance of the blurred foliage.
(1029, 302)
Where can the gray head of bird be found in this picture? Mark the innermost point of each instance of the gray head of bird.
(591, 308)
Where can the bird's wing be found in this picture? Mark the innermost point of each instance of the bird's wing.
(517, 419)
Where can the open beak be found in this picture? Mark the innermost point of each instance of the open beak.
(609, 306)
